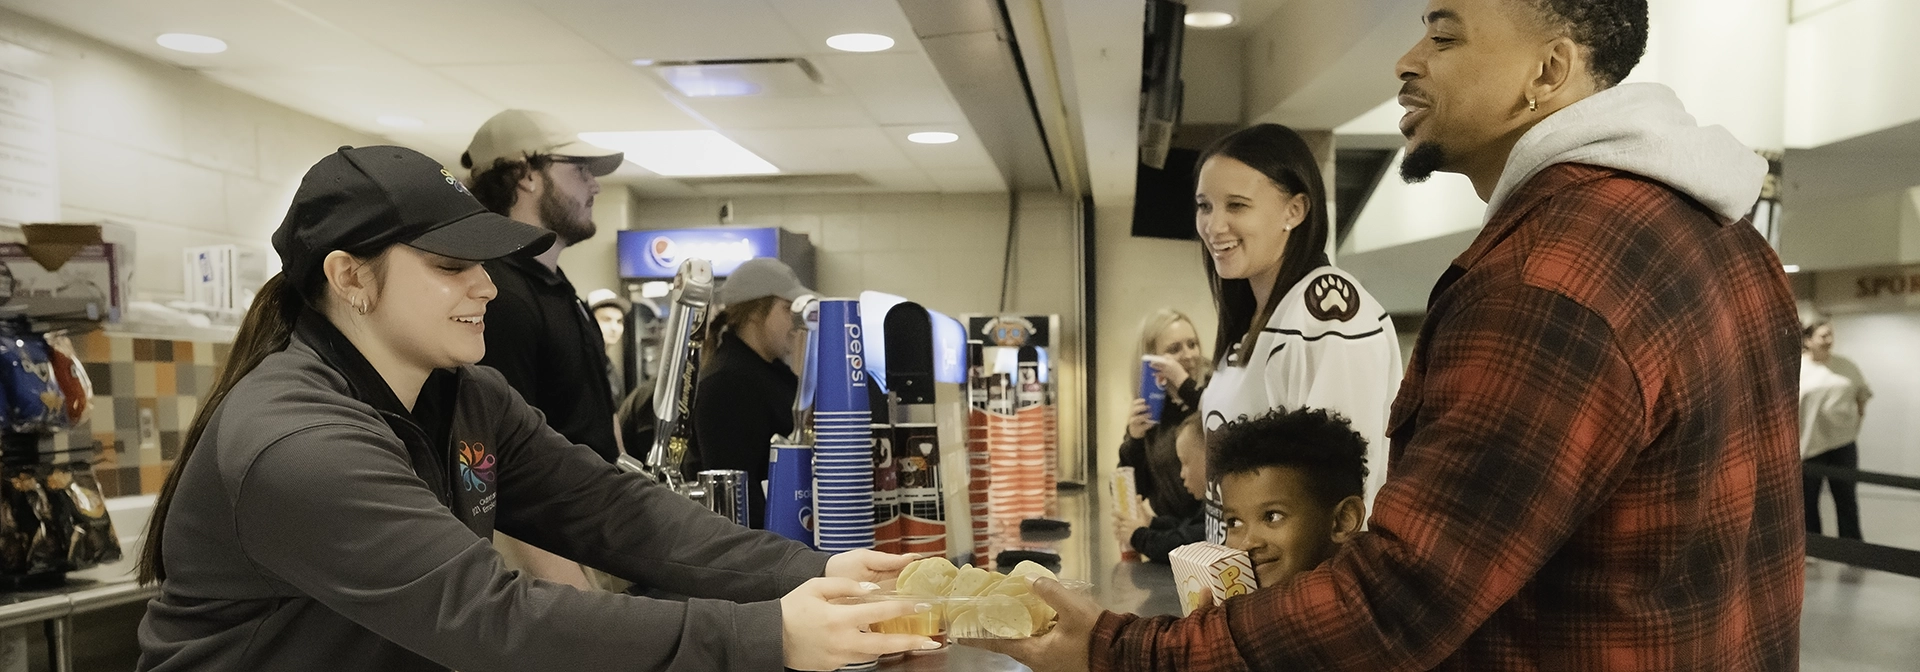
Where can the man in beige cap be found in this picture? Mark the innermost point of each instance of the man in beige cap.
(535, 169)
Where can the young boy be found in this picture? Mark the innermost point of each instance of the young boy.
(1156, 536)
(1291, 487)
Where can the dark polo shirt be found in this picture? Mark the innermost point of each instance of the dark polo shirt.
(540, 336)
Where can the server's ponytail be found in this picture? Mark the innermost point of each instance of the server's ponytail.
(267, 329)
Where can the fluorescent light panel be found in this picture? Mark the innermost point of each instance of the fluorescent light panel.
(860, 42)
(683, 153)
(191, 43)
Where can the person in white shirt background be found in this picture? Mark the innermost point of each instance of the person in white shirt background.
(1833, 400)
(1293, 330)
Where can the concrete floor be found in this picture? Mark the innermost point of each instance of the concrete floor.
(1858, 620)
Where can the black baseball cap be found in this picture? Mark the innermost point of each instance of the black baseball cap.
(361, 200)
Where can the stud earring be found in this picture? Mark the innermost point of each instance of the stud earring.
(360, 305)
(1532, 105)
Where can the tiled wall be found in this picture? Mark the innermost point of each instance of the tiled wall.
(177, 157)
(134, 377)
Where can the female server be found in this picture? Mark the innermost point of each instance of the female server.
(1294, 330)
(333, 507)
(746, 391)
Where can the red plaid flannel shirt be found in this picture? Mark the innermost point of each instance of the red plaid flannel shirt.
(1594, 464)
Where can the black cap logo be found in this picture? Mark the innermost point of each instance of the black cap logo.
(1331, 298)
(457, 186)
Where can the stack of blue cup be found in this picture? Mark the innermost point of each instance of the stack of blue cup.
(843, 435)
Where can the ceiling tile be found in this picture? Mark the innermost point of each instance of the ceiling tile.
(593, 96)
(678, 29)
(731, 114)
(446, 32)
(824, 150)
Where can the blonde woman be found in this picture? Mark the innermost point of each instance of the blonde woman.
(1170, 342)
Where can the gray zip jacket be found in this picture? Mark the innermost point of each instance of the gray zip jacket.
(316, 527)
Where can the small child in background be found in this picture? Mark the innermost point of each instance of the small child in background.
(1292, 488)
(1156, 536)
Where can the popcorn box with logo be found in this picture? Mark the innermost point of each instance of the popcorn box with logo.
(1207, 574)
(1122, 486)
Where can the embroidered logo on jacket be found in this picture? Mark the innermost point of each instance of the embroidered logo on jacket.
(476, 467)
(1331, 298)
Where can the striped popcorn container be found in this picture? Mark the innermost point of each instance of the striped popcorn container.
(843, 433)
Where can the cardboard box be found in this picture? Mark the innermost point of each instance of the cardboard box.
(87, 285)
(1206, 574)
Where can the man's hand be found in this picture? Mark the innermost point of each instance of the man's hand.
(870, 566)
(1065, 648)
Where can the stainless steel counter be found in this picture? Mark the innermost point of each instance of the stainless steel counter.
(1090, 553)
(98, 588)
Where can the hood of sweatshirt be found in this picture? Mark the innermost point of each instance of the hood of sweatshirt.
(1642, 129)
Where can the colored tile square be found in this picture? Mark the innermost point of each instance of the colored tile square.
(145, 383)
(101, 375)
(203, 352)
(163, 351)
(170, 445)
(127, 441)
(189, 407)
(183, 351)
(93, 346)
(204, 376)
(163, 379)
(109, 487)
(152, 477)
(119, 349)
(126, 414)
(143, 349)
(167, 413)
(129, 480)
(122, 379)
(185, 380)
(220, 351)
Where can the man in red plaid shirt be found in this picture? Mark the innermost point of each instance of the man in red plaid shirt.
(1594, 451)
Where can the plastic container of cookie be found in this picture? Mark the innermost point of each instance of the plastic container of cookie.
(1006, 614)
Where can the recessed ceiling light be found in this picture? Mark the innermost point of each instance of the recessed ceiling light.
(191, 43)
(861, 42)
(683, 153)
(1791, 268)
(932, 137)
(398, 121)
(1209, 19)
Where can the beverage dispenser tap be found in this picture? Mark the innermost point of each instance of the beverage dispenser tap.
(690, 301)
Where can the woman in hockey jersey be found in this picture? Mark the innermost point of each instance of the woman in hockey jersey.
(1293, 330)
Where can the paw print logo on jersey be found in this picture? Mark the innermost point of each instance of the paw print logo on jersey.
(1331, 298)
(476, 467)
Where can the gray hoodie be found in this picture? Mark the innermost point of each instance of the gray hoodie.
(1642, 129)
(317, 526)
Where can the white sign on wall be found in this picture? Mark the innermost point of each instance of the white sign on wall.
(29, 178)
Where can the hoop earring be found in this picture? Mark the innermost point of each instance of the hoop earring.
(360, 305)
(1532, 105)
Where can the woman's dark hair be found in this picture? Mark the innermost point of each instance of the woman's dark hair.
(497, 187)
(1280, 154)
(732, 317)
(266, 329)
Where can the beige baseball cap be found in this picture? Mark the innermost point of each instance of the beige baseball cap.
(517, 134)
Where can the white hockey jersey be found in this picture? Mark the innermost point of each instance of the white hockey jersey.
(1328, 345)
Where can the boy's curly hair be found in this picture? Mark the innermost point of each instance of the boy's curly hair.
(1317, 441)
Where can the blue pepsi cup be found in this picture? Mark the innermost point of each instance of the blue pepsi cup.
(1152, 390)
(790, 492)
(841, 353)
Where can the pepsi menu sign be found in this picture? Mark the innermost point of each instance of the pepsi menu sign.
(657, 254)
